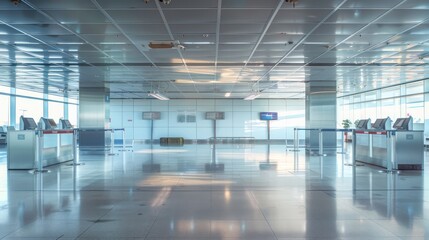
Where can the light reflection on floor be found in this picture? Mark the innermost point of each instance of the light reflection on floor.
(166, 193)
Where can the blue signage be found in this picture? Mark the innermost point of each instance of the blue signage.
(268, 116)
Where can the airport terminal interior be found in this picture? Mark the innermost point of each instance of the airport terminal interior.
(214, 119)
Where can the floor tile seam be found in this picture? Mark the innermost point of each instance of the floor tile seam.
(14, 231)
(262, 213)
(374, 221)
(93, 223)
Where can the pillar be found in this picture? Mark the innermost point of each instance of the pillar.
(94, 114)
(321, 112)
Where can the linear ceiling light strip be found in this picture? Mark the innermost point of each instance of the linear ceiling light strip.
(107, 15)
(218, 19)
(302, 40)
(77, 35)
(350, 36)
(267, 26)
(393, 54)
(167, 27)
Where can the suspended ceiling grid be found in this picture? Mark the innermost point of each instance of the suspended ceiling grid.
(235, 46)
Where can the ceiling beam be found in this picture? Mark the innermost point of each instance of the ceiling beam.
(167, 27)
(301, 41)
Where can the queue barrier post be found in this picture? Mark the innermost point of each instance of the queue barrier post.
(39, 141)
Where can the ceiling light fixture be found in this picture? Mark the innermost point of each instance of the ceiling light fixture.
(166, 2)
(228, 94)
(168, 44)
(292, 1)
(158, 96)
(252, 96)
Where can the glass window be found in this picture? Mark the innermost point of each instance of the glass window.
(390, 108)
(390, 92)
(416, 110)
(56, 98)
(29, 108)
(71, 100)
(29, 93)
(4, 89)
(55, 110)
(5, 111)
(73, 118)
(414, 88)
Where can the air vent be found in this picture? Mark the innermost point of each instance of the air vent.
(165, 45)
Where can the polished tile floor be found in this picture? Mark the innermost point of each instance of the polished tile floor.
(124, 196)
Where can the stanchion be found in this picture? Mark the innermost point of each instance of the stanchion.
(112, 142)
(75, 152)
(354, 159)
(40, 146)
(123, 140)
(354, 162)
(342, 143)
(321, 143)
(390, 154)
(295, 140)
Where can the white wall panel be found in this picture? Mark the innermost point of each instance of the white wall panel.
(129, 133)
(139, 121)
(238, 107)
(223, 108)
(116, 108)
(224, 132)
(164, 121)
(115, 102)
(278, 133)
(241, 132)
(257, 109)
(127, 119)
(227, 122)
(142, 133)
(159, 132)
(259, 133)
(204, 123)
(241, 118)
(205, 102)
(205, 108)
(260, 102)
(187, 133)
(116, 120)
(143, 108)
(204, 133)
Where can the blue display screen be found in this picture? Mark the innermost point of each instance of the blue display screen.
(268, 116)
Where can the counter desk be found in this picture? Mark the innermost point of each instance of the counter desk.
(404, 149)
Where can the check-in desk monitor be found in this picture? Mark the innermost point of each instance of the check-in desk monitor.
(382, 124)
(151, 115)
(27, 123)
(47, 123)
(364, 124)
(403, 124)
(215, 115)
(65, 124)
(267, 116)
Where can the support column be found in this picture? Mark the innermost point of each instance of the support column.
(321, 112)
(94, 113)
(426, 109)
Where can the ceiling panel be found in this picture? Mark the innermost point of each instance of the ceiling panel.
(50, 44)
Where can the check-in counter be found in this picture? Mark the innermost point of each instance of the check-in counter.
(23, 148)
(3, 135)
(404, 149)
